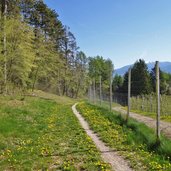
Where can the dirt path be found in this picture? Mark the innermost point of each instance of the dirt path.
(165, 126)
(108, 155)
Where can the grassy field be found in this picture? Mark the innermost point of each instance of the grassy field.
(104, 104)
(135, 141)
(41, 134)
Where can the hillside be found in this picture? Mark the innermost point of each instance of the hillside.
(41, 133)
(164, 66)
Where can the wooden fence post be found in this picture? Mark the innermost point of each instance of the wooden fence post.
(142, 106)
(151, 103)
(158, 102)
(129, 94)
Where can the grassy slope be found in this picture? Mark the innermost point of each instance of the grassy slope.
(135, 141)
(44, 134)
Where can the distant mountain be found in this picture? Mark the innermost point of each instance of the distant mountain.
(164, 66)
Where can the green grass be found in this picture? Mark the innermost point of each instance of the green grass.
(134, 140)
(57, 99)
(105, 104)
(40, 134)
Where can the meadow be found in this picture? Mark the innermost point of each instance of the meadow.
(135, 141)
(42, 134)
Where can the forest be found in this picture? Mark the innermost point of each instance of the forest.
(39, 52)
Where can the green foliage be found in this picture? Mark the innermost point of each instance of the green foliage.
(79, 81)
(41, 52)
(97, 67)
(140, 79)
(164, 81)
(20, 53)
(117, 83)
(100, 67)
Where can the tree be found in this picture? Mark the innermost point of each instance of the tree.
(101, 72)
(110, 69)
(97, 72)
(26, 9)
(97, 67)
(68, 49)
(20, 54)
(117, 83)
(140, 79)
(81, 73)
(41, 53)
(164, 85)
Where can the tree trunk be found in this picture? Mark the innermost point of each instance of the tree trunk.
(94, 91)
(100, 80)
(111, 99)
(78, 89)
(35, 78)
(58, 84)
(4, 13)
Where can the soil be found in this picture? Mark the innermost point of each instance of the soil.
(165, 127)
(109, 156)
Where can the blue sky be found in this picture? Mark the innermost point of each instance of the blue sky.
(122, 30)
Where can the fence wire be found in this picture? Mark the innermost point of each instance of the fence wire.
(143, 103)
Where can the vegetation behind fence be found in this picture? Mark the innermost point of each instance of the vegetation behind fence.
(147, 103)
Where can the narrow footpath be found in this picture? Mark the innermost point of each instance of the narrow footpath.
(108, 155)
(150, 122)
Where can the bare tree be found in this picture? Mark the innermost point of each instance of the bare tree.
(4, 16)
